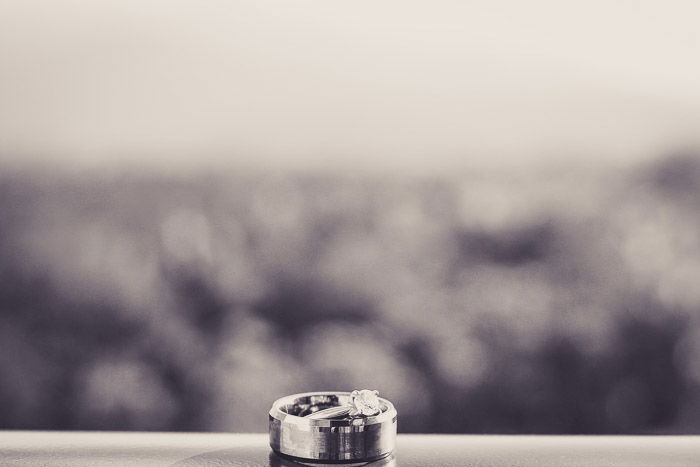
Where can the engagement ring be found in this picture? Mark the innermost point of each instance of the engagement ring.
(363, 403)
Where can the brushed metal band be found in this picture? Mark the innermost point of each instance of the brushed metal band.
(336, 440)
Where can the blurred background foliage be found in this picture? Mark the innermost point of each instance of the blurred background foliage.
(506, 301)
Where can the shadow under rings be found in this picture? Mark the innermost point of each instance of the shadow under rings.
(253, 457)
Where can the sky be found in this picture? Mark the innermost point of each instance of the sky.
(388, 85)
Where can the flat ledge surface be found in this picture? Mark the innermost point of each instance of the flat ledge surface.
(36, 448)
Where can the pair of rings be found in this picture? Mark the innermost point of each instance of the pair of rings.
(334, 426)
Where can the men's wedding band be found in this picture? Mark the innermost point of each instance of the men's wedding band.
(334, 426)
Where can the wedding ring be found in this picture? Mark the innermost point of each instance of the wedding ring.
(333, 426)
(363, 403)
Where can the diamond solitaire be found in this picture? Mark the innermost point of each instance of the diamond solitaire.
(365, 402)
